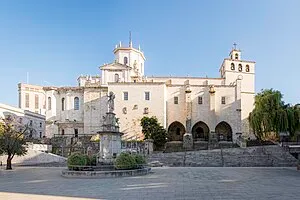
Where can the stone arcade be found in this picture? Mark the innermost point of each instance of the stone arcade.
(207, 108)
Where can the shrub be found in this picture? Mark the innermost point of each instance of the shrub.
(140, 160)
(93, 160)
(125, 161)
(77, 159)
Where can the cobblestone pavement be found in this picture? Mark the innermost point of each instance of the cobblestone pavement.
(162, 183)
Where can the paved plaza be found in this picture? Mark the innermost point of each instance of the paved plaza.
(162, 183)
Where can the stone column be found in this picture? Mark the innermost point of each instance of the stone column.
(188, 137)
(148, 146)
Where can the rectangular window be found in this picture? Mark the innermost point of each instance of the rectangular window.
(175, 100)
(147, 96)
(223, 100)
(36, 101)
(41, 125)
(125, 96)
(76, 132)
(30, 123)
(27, 100)
(40, 134)
(200, 100)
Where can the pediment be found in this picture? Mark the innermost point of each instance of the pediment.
(114, 66)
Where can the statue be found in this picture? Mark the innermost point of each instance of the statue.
(111, 103)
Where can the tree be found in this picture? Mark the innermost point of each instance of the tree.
(12, 138)
(152, 129)
(271, 115)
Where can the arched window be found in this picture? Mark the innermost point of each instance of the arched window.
(49, 103)
(62, 131)
(76, 103)
(63, 104)
(247, 68)
(240, 67)
(236, 56)
(116, 77)
(232, 66)
(125, 60)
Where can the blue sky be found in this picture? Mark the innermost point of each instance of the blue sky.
(56, 41)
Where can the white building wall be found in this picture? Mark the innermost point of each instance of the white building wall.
(24, 117)
(135, 105)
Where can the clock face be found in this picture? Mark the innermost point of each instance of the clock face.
(240, 77)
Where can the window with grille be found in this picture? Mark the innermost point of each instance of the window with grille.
(125, 96)
(147, 96)
(175, 100)
(200, 100)
(223, 100)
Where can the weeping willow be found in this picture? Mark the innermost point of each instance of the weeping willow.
(271, 115)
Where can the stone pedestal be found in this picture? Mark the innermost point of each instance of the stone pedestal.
(213, 141)
(148, 146)
(110, 145)
(188, 141)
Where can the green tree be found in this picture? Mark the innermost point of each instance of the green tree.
(152, 129)
(12, 138)
(271, 115)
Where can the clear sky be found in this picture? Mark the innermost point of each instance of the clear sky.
(56, 41)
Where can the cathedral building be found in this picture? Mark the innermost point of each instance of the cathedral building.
(198, 105)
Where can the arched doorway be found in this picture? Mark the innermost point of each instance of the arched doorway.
(200, 131)
(176, 131)
(224, 131)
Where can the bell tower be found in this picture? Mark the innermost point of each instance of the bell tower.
(131, 57)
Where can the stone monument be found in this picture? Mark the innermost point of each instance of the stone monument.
(110, 136)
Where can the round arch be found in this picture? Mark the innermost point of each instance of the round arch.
(224, 131)
(176, 131)
(200, 131)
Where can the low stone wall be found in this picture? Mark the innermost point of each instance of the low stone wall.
(263, 156)
(105, 174)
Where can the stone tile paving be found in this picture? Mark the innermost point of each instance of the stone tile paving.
(163, 183)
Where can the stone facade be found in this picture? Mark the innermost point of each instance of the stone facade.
(200, 106)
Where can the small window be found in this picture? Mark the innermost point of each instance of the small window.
(30, 123)
(147, 96)
(49, 103)
(63, 104)
(236, 56)
(200, 100)
(41, 125)
(40, 134)
(247, 68)
(76, 103)
(232, 66)
(62, 131)
(175, 100)
(36, 101)
(76, 132)
(223, 100)
(27, 100)
(116, 78)
(125, 60)
(125, 96)
(240, 67)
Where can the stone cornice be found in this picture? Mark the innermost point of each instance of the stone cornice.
(183, 77)
(137, 83)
